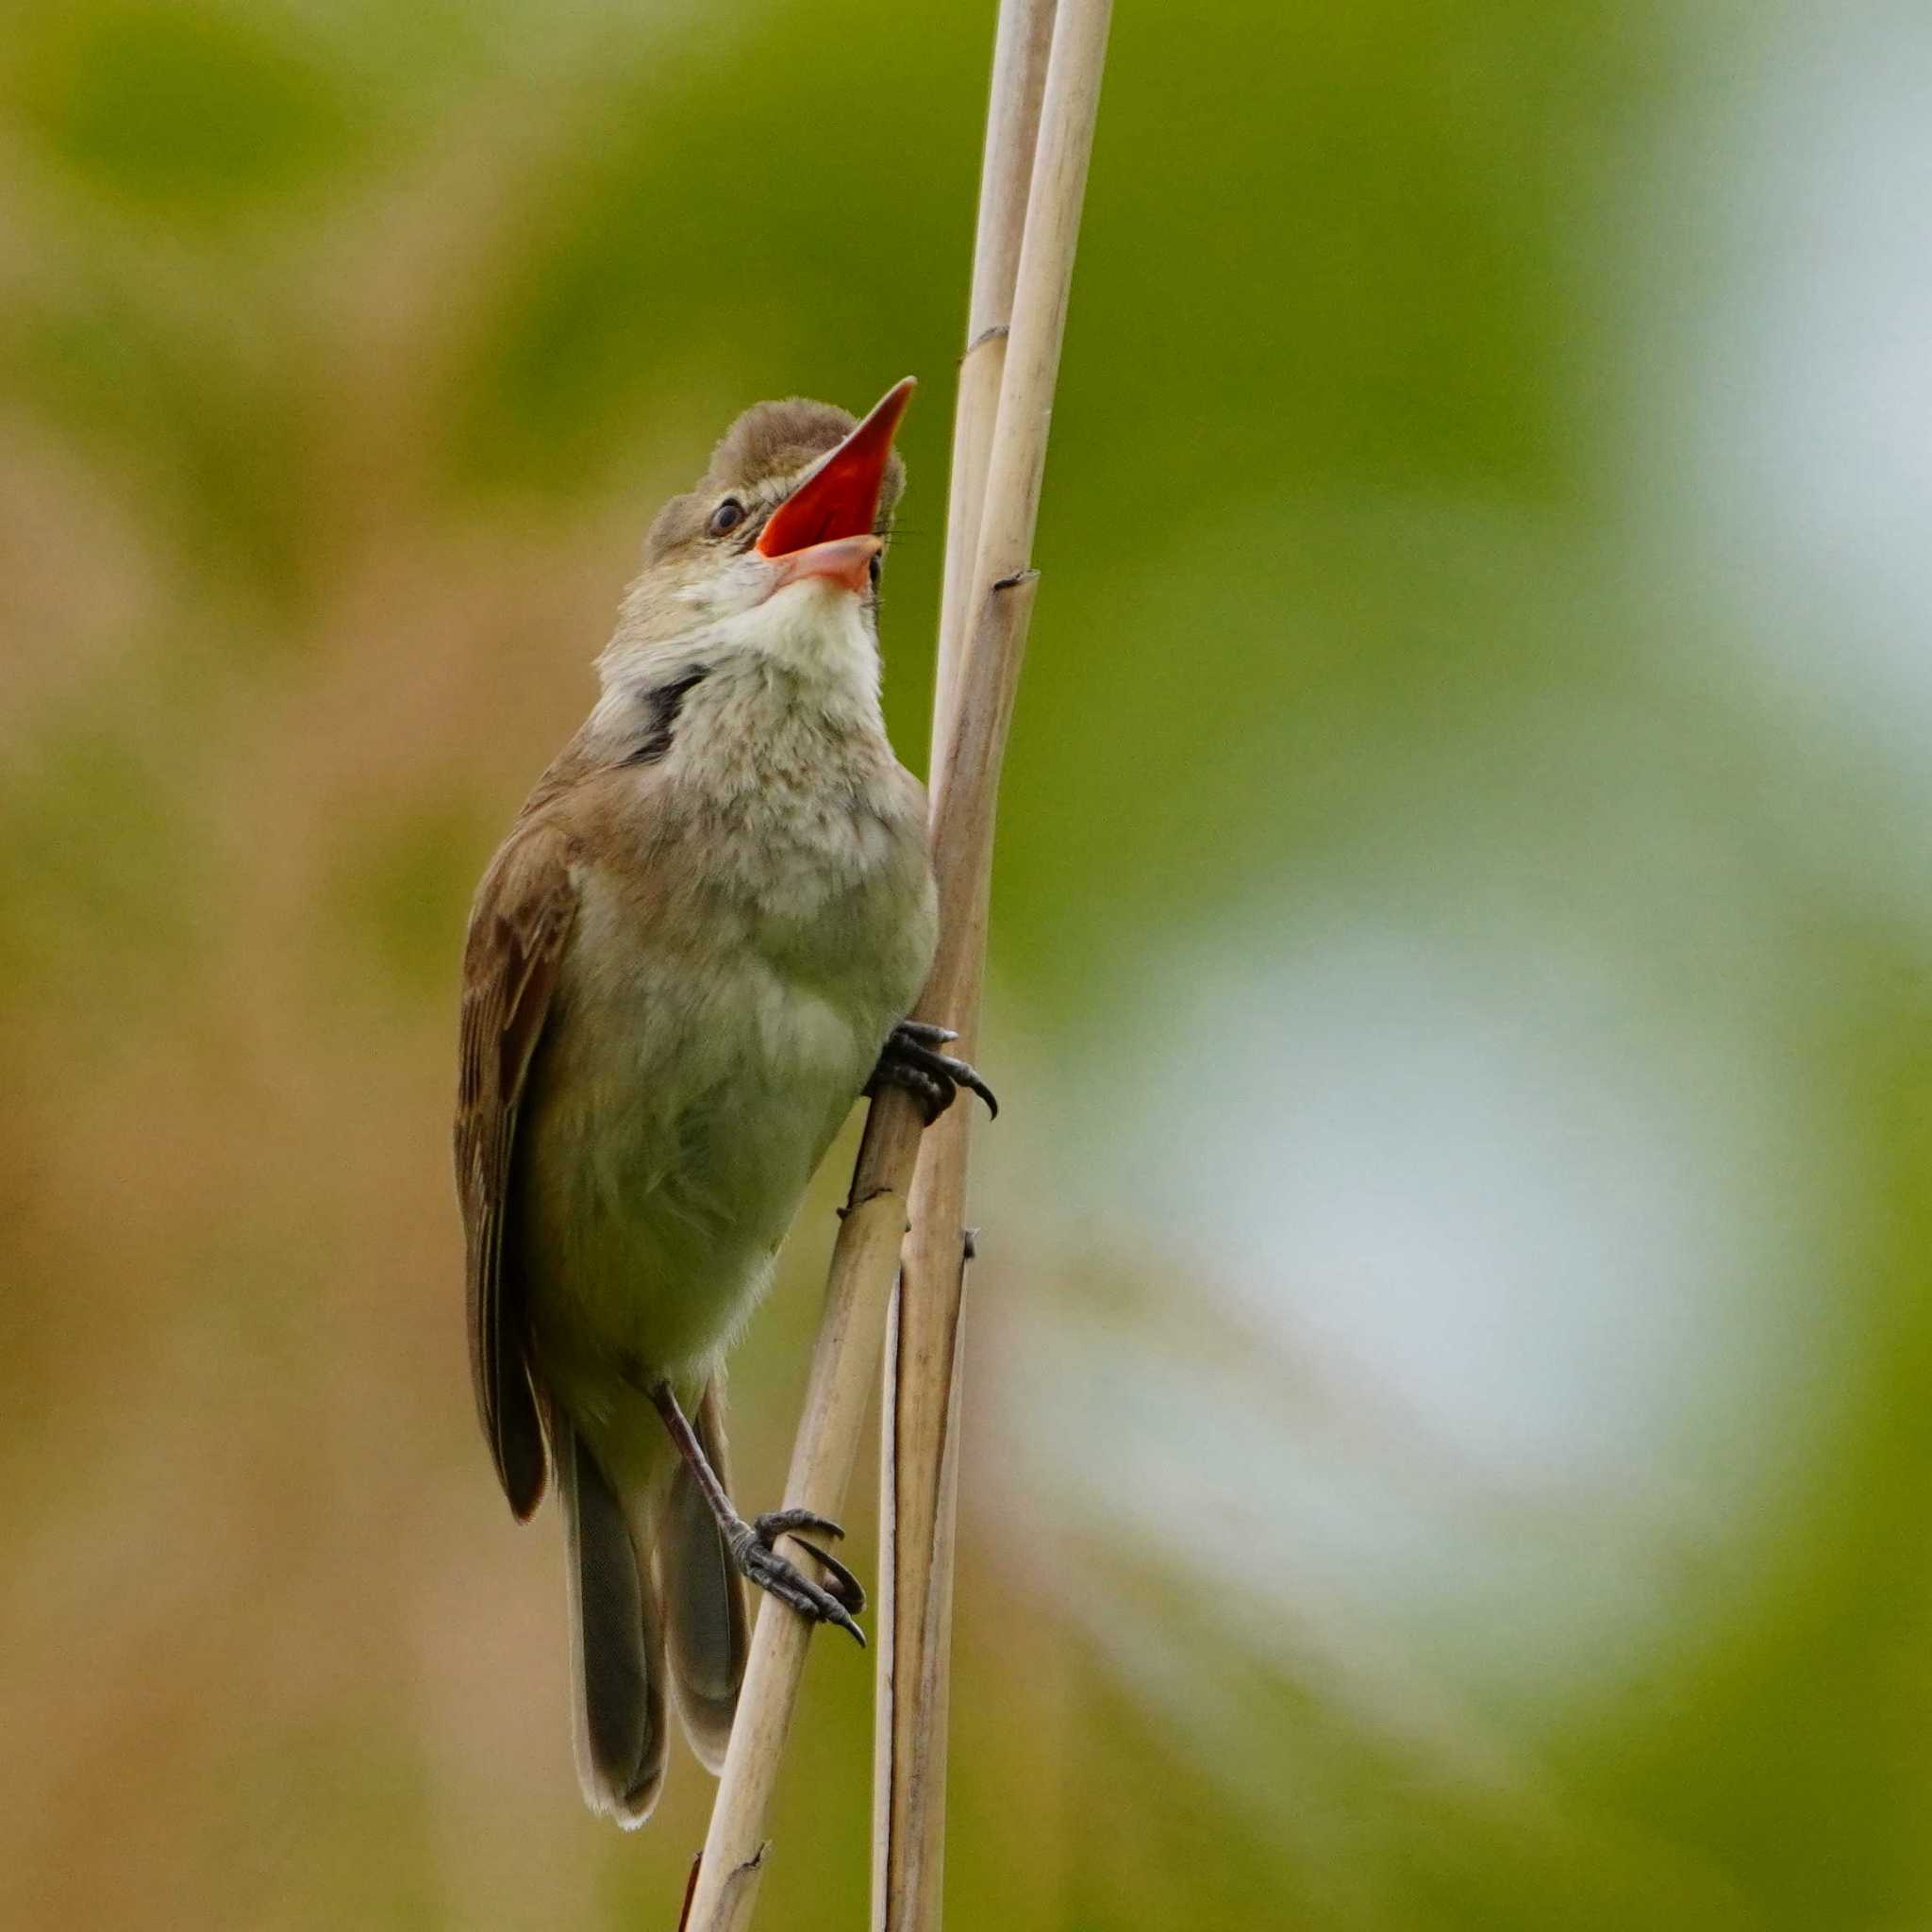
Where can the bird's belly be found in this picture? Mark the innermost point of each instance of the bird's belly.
(674, 1123)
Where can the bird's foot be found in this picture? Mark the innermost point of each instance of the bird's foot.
(911, 1058)
(835, 1601)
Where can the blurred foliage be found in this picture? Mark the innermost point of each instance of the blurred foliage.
(345, 350)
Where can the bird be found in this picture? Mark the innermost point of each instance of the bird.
(697, 948)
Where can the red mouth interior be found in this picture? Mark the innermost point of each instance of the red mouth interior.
(840, 498)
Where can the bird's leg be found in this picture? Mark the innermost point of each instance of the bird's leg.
(749, 1544)
(911, 1058)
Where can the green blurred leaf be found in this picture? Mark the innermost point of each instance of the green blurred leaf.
(193, 108)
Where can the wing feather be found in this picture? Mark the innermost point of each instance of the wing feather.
(518, 929)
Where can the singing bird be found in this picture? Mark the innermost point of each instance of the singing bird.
(695, 949)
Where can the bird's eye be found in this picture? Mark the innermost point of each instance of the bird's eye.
(872, 570)
(726, 517)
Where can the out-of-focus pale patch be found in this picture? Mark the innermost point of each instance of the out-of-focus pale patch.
(1458, 1311)
(1781, 453)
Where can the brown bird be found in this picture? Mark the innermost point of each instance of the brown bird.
(695, 949)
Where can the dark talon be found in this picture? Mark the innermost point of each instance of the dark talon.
(927, 1034)
(933, 1095)
(842, 1583)
(911, 1058)
(751, 1549)
(961, 1074)
(777, 1522)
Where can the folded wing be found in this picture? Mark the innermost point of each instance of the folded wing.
(519, 927)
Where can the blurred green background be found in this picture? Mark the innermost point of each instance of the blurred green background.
(1450, 1439)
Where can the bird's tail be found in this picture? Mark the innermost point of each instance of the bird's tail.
(705, 1610)
(617, 1644)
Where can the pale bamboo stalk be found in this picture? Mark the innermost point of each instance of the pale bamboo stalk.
(1018, 75)
(923, 1440)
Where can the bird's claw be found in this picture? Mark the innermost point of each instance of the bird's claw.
(836, 1602)
(843, 1585)
(912, 1058)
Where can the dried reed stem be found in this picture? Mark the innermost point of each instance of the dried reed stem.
(1012, 127)
(864, 1261)
(920, 1456)
(978, 702)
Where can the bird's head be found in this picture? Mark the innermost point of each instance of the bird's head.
(795, 506)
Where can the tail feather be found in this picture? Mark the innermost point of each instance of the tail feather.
(617, 1645)
(705, 1613)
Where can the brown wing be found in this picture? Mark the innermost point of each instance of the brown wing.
(518, 931)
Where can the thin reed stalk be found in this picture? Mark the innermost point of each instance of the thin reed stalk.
(988, 611)
(920, 1451)
(1012, 127)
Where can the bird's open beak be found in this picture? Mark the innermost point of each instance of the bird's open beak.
(825, 527)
